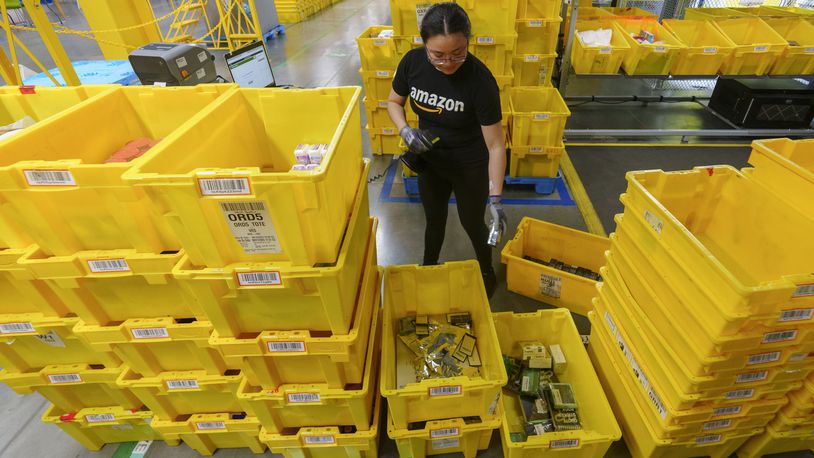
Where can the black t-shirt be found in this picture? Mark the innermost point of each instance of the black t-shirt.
(452, 107)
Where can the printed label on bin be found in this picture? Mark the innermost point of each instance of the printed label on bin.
(659, 49)
(796, 315)
(379, 42)
(604, 50)
(388, 131)
(304, 398)
(804, 290)
(535, 149)
(550, 285)
(493, 405)
(809, 50)
(182, 385)
(319, 440)
(780, 336)
(654, 221)
(259, 279)
(420, 12)
(764, 358)
(382, 74)
(752, 377)
(740, 394)
(797, 357)
(718, 424)
(290, 346)
(418, 40)
(51, 338)
(201, 73)
(224, 186)
(49, 178)
(442, 444)
(564, 443)
(100, 418)
(540, 116)
(723, 411)
(452, 390)
(252, 227)
(531, 58)
(535, 23)
(445, 432)
(150, 333)
(64, 378)
(205, 425)
(202, 56)
(16, 328)
(181, 62)
(761, 48)
(108, 265)
(710, 439)
(710, 50)
(141, 448)
(485, 40)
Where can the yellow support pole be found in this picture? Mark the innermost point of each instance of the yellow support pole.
(51, 41)
(128, 22)
(7, 70)
(11, 70)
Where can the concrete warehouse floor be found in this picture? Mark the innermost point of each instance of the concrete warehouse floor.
(322, 52)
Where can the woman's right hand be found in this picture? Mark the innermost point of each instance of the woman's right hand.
(418, 141)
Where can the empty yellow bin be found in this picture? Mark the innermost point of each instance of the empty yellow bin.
(706, 47)
(757, 46)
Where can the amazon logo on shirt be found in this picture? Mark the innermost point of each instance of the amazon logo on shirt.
(436, 103)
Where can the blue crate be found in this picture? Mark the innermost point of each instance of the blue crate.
(410, 185)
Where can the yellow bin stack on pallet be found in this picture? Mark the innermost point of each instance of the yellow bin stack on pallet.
(686, 379)
(538, 116)
(429, 417)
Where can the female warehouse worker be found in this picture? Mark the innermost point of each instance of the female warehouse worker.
(460, 146)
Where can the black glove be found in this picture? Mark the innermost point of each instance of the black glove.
(418, 141)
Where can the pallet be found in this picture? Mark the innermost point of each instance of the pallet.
(542, 185)
(275, 31)
(410, 185)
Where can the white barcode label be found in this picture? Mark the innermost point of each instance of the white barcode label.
(710, 425)
(64, 378)
(200, 73)
(446, 432)
(740, 394)
(202, 57)
(531, 58)
(319, 440)
(764, 358)
(51, 339)
(204, 425)
(150, 333)
(723, 411)
(711, 439)
(550, 285)
(809, 50)
(611, 324)
(540, 116)
(302, 398)
(108, 265)
(535, 149)
(796, 315)
(780, 336)
(442, 444)
(804, 290)
(379, 42)
(564, 443)
(16, 328)
(535, 23)
(382, 74)
(524, 385)
(181, 62)
(49, 178)
(453, 390)
(388, 131)
(182, 384)
(100, 418)
(485, 40)
(141, 448)
(797, 357)
(710, 50)
(252, 227)
(418, 40)
(659, 49)
(604, 50)
(761, 48)
(752, 377)
(286, 347)
(654, 221)
(420, 11)
(259, 279)
(224, 186)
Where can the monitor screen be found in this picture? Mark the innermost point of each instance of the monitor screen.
(250, 66)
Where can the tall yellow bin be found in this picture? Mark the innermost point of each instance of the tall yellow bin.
(706, 47)
(798, 58)
(757, 46)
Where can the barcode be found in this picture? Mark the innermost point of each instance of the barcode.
(796, 315)
(720, 412)
(150, 333)
(764, 358)
(182, 384)
(446, 432)
(319, 440)
(224, 186)
(13, 328)
(258, 278)
(780, 336)
(740, 394)
(485, 40)
(531, 58)
(100, 418)
(445, 390)
(382, 74)
(64, 378)
(761, 48)
(564, 443)
(210, 425)
(804, 290)
(752, 377)
(535, 23)
(809, 50)
(540, 116)
(108, 265)
(141, 448)
(49, 178)
(711, 439)
(710, 425)
(286, 347)
(604, 50)
(304, 397)
(710, 50)
(252, 206)
(659, 49)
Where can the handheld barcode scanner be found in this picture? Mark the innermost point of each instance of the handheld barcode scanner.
(413, 161)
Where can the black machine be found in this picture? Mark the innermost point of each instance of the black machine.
(764, 103)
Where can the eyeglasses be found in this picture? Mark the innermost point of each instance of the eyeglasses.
(445, 60)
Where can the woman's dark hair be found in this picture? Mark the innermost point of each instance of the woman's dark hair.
(445, 19)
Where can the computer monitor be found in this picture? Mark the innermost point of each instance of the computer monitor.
(250, 66)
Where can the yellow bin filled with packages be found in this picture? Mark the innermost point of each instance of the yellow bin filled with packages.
(53, 169)
(652, 48)
(252, 170)
(757, 46)
(785, 167)
(706, 47)
(593, 53)
(554, 333)
(420, 306)
(798, 58)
